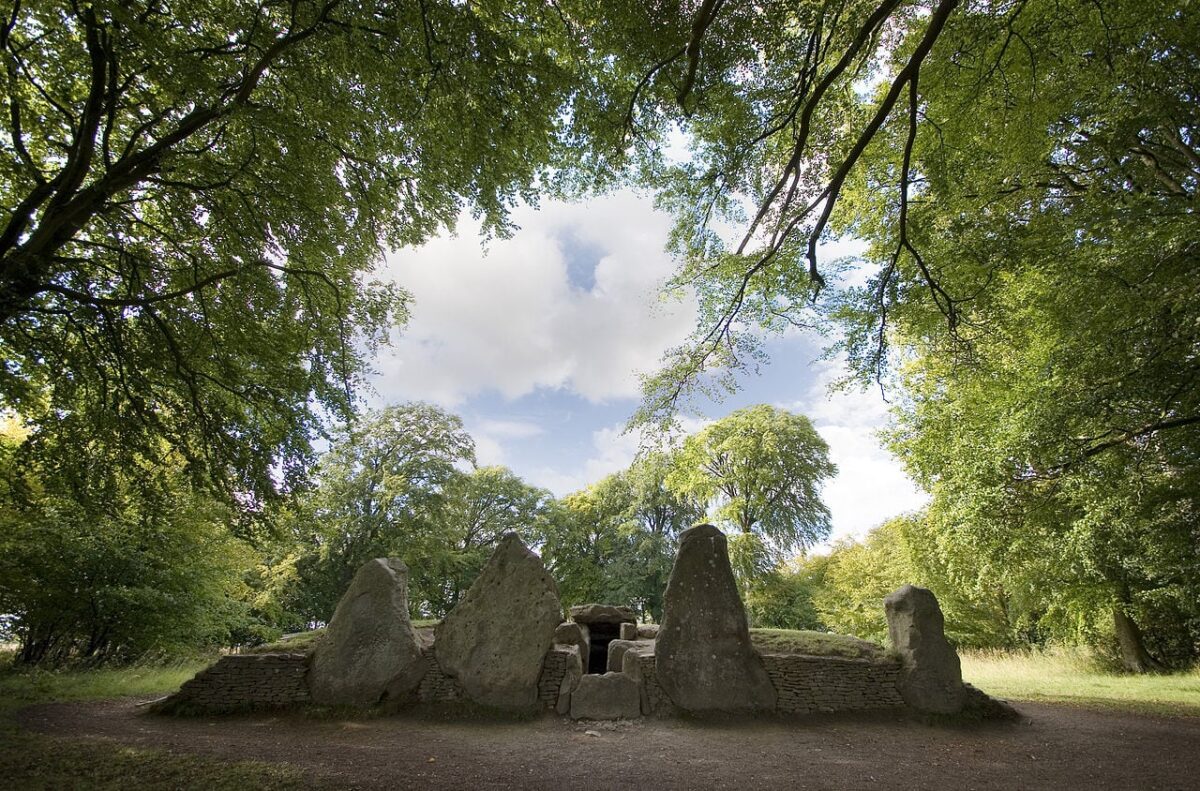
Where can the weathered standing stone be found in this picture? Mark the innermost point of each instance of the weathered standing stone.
(369, 654)
(611, 696)
(570, 681)
(495, 639)
(704, 660)
(575, 634)
(930, 673)
(629, 631)
(602, 613)
(647, 631)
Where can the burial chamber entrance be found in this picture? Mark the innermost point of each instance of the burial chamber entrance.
(601, 635)
(601, 624)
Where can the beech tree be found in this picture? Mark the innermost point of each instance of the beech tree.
(194, 196)
(760, 471)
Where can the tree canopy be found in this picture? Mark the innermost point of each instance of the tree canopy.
(195, 195)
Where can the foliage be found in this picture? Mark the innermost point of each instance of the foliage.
(195, 197)
(760, 470)
(783, 597)
(104, 561)
(394, 487)
(616, 541)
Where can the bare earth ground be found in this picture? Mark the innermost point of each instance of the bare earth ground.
(1055, 747)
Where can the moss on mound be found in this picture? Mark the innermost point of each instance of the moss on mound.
(795, 641)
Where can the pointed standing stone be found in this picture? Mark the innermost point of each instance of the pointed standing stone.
(704, 660)
(495, 640)
(369, 653)
(930, 674)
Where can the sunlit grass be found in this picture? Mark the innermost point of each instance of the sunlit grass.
(1073, 677)
(800, 641)
(20, 687)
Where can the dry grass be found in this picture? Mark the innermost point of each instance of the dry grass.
(1073, 677)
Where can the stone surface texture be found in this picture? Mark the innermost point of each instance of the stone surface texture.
(930, 674)
(647, 631)
(369, 654)
(617, 649)
(602, 613)
(576, 634)
(245, 681)
(704, 659)
(611, 696)
(825, 684)
(628, 631)
(495, 640)
(560, 675)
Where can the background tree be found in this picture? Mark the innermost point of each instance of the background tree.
(98, 567)
(377, 494)
(760, 471)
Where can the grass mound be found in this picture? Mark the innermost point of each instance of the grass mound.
(304, 642)
(796, 641)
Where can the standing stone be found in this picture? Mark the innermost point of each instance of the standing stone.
(574, 672)
(704, 660)
(575, 634)
(611, 696)
(629, 631)
(495, 639)
(930, 673)
(369, 653)
(616, 653)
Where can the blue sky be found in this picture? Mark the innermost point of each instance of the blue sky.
(537, 342)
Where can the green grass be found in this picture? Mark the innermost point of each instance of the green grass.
(307, 641)
(793, 641)
(1074, 678)
(34, 761)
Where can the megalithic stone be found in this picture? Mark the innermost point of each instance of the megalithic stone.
(369, 653)
(930, 672)
(704, 660)
(495, 639)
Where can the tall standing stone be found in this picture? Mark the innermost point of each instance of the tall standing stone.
(495, 639)
(369, 654)
(930, 674)
(704, 660)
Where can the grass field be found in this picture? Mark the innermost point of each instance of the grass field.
(33, 761)
(1073, 678)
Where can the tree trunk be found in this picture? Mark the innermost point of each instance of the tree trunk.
(1134, 655)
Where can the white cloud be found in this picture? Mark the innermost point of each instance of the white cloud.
(871, 486)
(511, 320)
(612, 450)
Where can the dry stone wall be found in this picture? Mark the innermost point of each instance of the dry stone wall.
(554, 669)
(437, 685)
(244, 681)
(824, 684)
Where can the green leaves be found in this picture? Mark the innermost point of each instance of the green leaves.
(761, 470)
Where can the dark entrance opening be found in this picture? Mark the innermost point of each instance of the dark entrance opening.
(601, 634)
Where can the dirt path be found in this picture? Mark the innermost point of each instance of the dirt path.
(1056, 747)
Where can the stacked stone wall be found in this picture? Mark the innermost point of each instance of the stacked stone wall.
(554, 669)
(244, 681)
(655, 702)
(812, 684)
(437, 685)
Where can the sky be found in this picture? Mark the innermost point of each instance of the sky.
(537, 341)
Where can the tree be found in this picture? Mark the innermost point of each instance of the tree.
(195, 195)
(377, 493)
(479, 507)
(760, 470)
(99, 567)
(616, 540)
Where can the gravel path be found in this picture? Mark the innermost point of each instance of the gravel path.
(1055, 747)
